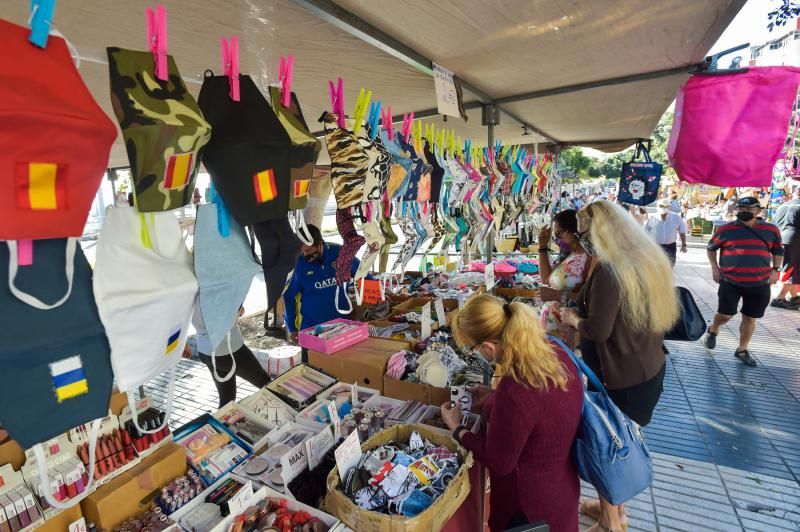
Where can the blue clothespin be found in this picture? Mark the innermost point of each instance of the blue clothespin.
(41, 20)
(223, 223)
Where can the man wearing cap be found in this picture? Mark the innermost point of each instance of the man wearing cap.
(787, 218)
(750, 257)
(665, 228)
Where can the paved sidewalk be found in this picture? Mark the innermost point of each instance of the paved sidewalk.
(725, 438)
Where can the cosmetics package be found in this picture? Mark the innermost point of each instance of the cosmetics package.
(268, 510)
(212, 450)
(223, 494)
(300, 386)
(151, 521)
(149, 419)
(248, 426)
(18, 508)
(179, 492)
(68, 478)
(269, 407)
(114, 452)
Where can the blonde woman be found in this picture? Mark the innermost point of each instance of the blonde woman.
(532, 415)
(624, 309)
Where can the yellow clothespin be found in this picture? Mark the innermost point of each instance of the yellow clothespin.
(416, 130)
(361, 109)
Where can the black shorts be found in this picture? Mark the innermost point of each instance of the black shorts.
(755, 299)
(791, 263)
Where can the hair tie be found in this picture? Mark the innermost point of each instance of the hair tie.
(507, 309)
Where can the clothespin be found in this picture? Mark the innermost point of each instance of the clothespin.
(40, 20)
(285, 75)
(157, 39)
(374, 117)
(386, 119)
(361, 109)
(416, 128)
(407, 121)
(230, 64)
(337, 101)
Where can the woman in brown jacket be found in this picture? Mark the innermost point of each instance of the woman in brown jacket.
(624, 309)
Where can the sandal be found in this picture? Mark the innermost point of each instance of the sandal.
(591, 509)
(745, 356)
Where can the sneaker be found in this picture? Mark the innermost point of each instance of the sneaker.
(710, 340)
(795, 299)
(745, 356)
(784, 304)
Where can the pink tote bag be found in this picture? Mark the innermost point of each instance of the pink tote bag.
(730, 129)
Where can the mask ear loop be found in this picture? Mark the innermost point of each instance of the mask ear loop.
(44, 478)
(349, 303)
(359, 291)
(233, 363)
(301, 229)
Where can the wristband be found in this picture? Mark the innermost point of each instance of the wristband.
(543, 250)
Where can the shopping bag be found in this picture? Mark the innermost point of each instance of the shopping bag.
(225, 265)
(163, 128)
(730, 129)
(54, 140)
(54, 355)
(691, 326)
(639, 180)
(248, 155)
(145, 289)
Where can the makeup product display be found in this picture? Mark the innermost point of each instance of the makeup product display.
(150, 419)
(223, 494)
(18, 508)
(112, 452)
(274, 514)
(179, 492)
(401, 478)
(300, 386)
(269, 407)
(210, 448)
(152, 520)
(249, 430)
(204, 517)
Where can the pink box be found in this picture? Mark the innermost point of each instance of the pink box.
(331, 345)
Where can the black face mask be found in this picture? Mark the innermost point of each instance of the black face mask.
(586, 243)
(745, 216)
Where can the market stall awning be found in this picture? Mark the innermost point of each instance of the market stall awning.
(502, 51)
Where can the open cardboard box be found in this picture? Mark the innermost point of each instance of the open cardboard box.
(292, 397)
(363, 363)
(232, 412)
(269, 407)
(408, 391)
(472, 422)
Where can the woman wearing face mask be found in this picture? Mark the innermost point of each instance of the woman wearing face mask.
(532, 415)
(623, 311)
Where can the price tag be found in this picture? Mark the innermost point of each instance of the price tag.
(348, 454)
(335, 421)
(446, 94)
(489, 276)
(238, 502)
(317, 446)
(354, 394)
(78, 526)
(441, 317)
(426, 322)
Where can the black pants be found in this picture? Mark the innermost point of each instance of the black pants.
(247, 367)
(672, 251)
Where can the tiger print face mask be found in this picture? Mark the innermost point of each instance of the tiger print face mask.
(349, 163)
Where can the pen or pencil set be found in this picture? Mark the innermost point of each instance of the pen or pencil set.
(224, 493)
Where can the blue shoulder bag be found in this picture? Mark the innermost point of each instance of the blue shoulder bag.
(609, 450)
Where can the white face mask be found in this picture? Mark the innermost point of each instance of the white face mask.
(663, 210)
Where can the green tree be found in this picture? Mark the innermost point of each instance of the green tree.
(575, 159)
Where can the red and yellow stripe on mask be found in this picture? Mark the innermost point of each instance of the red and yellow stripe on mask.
(179, 170)
(264, 185)
(41, 186)
(301, 187)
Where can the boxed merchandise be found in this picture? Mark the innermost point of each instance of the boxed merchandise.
(352, 365)
(268, 508)
(269, 407)
(300, 386)
(149, 418)
(250, 427)
(344, 392)
(67, 477)
(443, 470)
(18, 508)
(122, 497)
(407, 391)
(392, 330)
(333, 336)
(210, 448)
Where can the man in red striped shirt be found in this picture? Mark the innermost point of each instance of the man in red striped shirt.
(751, 253)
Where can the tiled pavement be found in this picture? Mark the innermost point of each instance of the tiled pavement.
(725, 438)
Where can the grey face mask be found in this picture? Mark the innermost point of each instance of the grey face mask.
(586, 243)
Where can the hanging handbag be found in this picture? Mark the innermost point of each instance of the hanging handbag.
(248, 155)
(54, 139)
(691, 326)
(730, 129)
(145, 289)
(163, 128)
(609, 450)
(54, 355)
(639, 180)
(225, 265)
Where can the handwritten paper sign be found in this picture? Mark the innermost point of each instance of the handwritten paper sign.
(333, 413)
(446, 94)
(372, 291)
(317, 446)
(348, 454)
(489, 272)
(441, 317)
(426, 322)
(238, 502)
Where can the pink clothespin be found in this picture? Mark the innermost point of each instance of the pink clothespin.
(407, 120)
(285, 75)
(157, 39)
(386, 120)
(230, 64)
(337, 101)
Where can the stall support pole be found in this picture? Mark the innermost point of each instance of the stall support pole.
(490, 119)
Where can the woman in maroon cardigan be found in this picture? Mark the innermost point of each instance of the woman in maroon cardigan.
(532, 416)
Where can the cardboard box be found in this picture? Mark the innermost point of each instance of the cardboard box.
(61, 521)
(298, 404)
(434, 518)
(412, 327)
(336, 343)
(129, 493)
(411, 391)
(511, 293)
(352, 365)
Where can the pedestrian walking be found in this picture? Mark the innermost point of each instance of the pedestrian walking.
(665, 227)
(750, 257)
(787, 219)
